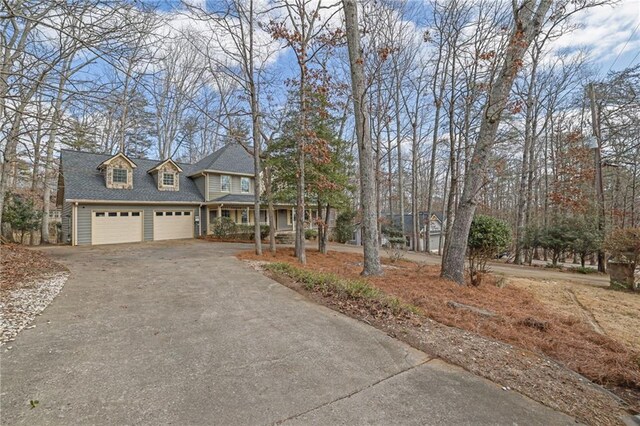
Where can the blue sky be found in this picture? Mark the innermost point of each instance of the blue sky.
(610, 32)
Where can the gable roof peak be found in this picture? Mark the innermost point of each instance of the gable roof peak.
(120, 154)
(162, 163)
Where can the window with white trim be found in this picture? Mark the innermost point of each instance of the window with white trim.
(119, 175)
(245, 184)
(168, 179)
(225, 183)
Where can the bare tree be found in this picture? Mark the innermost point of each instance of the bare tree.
(365, 149)
(529, 16)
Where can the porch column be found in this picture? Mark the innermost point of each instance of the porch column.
(208, 218)
(248, 216)
(219, 211)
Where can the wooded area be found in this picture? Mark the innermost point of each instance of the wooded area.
(453, 107)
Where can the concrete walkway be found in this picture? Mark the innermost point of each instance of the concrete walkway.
(183, 333)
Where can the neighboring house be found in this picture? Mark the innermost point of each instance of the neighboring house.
(55, 215)
(108, 199)
(436, 231)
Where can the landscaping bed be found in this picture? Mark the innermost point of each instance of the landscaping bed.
(29, 281)
(499, 331)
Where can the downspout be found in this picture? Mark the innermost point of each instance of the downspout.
(200, 221)
(74, 230)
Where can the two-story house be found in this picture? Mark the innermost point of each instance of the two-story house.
(115, 199)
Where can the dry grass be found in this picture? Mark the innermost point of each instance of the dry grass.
(615, 313)
(521, 319)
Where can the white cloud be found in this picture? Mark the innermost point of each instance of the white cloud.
(606, 31)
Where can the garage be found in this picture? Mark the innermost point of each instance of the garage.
(115, 227)
(172, 224)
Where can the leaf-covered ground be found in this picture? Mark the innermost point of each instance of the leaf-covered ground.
(20, 265)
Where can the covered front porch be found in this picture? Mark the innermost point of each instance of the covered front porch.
(243, 214)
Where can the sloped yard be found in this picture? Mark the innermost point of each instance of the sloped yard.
(513, 314)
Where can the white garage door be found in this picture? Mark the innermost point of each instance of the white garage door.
(172, 224)
(113, 227)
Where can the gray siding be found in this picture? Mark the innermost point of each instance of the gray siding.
(66, 223)
(204, 219)
(84, 217)
(215, 189)
(199, 181)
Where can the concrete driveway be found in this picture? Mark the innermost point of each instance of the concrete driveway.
(183, 333)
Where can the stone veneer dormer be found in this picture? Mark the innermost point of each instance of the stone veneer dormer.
(114, 166)
(167, 175)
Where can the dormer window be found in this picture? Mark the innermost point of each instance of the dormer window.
(120, 175)
(168, 179)
(166, 175)
(118, 171)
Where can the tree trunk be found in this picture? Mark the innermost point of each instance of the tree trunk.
(49, 173)
(595, 123)
(271, 212)
(399, 149)
(528, 22)
(526, 176)
(300, 189)
(415, 231)
(255, 120)
(365, 150)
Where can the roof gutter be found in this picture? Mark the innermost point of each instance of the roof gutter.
(84, 201)
(222, 172)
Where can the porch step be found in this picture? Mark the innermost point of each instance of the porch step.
(285, 238)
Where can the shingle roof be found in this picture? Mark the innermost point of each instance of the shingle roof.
(408, 220)
(231, 158)
(82, 181)
(235, 198)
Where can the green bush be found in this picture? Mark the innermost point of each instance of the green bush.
(330, 283)
(224, 227)
(391, 231)
(583, 270)
(227, 228)
(344, 226)
(552, 266)
(488, 237)
(624, 245)
(251, 232)
(264, 231)
(244, 232)
(21, 214)
(311, 234)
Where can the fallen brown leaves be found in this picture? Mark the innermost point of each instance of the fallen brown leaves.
(19, 265)
(520, 320)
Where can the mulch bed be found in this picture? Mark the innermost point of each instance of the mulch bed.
(521, 345)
